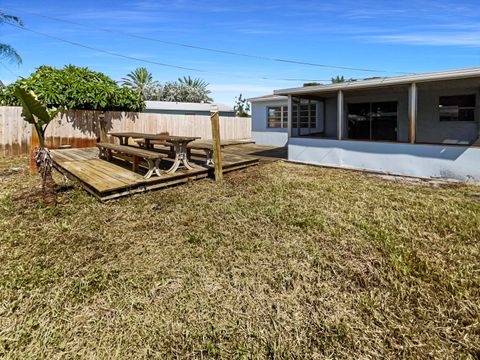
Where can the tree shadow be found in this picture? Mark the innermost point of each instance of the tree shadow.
(90, 122)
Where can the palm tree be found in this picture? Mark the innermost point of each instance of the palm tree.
(341, 79)
(338, 79)
(7, 51)
(197, 83)
(140, 80)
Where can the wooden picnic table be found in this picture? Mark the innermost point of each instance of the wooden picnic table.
(179, 144)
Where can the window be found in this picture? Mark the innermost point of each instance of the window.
(308, 116)
(373, 121)
(277, 117)
(457, 108)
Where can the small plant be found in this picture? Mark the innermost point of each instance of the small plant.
(37, 114)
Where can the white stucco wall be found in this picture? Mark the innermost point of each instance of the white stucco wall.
(270, 138)
(428, 161)
(261, 134)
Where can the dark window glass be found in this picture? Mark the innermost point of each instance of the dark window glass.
(457, 108)
(359, 121)
(373, 121)
(308, 116)
(274, 117)
(384, 121)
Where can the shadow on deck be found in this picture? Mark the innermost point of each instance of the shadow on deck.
(108, 180)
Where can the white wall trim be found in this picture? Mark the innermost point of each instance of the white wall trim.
(426, 161)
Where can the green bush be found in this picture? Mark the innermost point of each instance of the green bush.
(75, 88)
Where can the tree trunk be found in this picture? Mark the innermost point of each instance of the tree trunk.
(102, 127)
(48, 188)
(44, 163)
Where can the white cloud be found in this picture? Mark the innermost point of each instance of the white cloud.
(434, 39)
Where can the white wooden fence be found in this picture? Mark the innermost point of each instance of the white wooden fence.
(15, 133)
(80, 128)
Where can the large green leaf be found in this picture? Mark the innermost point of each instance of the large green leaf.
(34, 111)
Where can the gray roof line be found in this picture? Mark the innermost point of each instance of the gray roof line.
(397, 80)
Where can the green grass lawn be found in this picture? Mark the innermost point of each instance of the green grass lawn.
(279, 261)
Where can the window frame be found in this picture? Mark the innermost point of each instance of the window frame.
(474, 108)
(370, 116)
(305, 113)
(309, 116)
(283, 116)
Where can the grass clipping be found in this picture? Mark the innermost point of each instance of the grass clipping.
(278, 261)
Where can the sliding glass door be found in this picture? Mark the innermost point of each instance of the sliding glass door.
(373, 121)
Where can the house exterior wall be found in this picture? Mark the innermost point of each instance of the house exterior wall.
(429, 127)
(398, 94)
(427, 161)
(436, 160)
(331, 127)
(261, 134)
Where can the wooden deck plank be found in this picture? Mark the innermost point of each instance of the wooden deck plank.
(102, 174)
(110, 174)
(113, 171)
(100, 183)
(108, 180)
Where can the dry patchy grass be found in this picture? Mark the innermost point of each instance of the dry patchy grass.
(279, 261)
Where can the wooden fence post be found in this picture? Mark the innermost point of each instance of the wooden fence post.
(217, 150)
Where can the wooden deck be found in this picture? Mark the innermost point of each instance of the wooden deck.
(108, 180)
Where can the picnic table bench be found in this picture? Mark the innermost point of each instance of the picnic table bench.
(194, 145)
(206, 147)
(134, 155)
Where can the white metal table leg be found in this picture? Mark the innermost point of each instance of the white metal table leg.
(180, 148)
(153, 167)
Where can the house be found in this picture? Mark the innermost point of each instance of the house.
(424, 125)
(185, 108)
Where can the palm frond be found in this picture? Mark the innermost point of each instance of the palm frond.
(196, 83)
(10, 54)
(140, 80)
(5, 18)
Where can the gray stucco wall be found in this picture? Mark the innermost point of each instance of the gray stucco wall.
(429, 127)
(398, 94)
(331, 127)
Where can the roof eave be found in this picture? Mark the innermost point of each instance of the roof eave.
(400, 80)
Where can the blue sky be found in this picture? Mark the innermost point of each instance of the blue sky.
(390, 36)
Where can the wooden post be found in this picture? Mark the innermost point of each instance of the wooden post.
(217, 150)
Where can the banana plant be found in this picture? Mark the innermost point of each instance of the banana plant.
(37, 114)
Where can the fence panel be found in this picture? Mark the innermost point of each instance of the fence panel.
(80, 128)
(15, 133)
